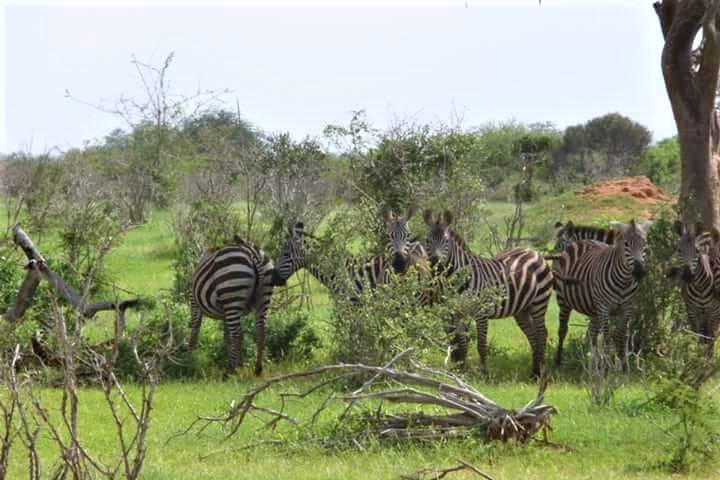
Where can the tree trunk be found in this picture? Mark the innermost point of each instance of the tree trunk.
(691, 78)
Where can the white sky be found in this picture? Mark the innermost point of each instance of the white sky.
(297, 66)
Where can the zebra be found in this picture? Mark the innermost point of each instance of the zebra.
(357, 274)
(227, 284)
(402, 251)
(605, 281)
(521, 275)
(698, 275)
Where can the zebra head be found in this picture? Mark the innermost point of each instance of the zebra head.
(398, 238)
(631, 242)
(563, 235)
(692, 243)
(438, 236)
(292, 255)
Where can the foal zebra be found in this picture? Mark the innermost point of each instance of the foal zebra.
(605, 280)
(698, 275)
(521, 275)
(357, 273)
(227, 284)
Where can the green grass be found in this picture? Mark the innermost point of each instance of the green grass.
(606, 443)
(596, 443)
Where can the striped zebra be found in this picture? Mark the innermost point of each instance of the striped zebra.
(605, 281)
(521, 276)
(355, 276)
(402, 251)
(569, 232)
(698, 274)
(227, 284)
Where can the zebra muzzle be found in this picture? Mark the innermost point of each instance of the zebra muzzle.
(638, 270)
(399, 263)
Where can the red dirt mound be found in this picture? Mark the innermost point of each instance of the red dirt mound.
(641, 189)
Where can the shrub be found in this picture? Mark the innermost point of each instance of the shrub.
(677, 384)
(290, 337)
(389, 319)
(658, 299)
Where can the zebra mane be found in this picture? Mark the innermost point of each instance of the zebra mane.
(572, 228)
(457, 238)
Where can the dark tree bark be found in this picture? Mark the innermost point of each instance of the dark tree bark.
(691, 78)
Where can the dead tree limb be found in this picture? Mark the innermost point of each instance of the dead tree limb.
(457, 409)
(37, 268)
(435, 473)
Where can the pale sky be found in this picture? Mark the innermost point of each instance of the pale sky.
(298, 66)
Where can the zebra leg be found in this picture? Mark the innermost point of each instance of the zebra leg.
(457, 349)
(620, 336)
(599, 323)
(482, 342)
(233, 341)
(592, 334)
(564, 319)
(260, 327)
(532, 323)
(195, 322)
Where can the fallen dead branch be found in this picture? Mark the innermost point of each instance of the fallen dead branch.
(37, 268)
(453, 407)
(435, 473)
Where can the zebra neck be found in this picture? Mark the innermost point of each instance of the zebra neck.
(327, 280)
(618, 263)
(701, 270)
(458, 256)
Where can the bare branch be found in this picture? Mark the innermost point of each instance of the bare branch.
(472, 414)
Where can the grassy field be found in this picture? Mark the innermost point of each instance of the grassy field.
(619, 441)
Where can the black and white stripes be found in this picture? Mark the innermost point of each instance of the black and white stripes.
(229, 283)
(605, 280)
(698, 274)
(522, 277)
(349, 281)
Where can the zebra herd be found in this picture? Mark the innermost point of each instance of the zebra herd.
(594, 271)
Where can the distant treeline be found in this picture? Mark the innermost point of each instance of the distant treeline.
(216, 156)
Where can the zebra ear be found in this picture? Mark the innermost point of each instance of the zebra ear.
(558, 225)
(447, 217)
(569, 226)
(699, 227)
(427, 216)
(410, 212)
(617, 227)
(678, 228)
(387, 214)
(645, 226)
(715, 235)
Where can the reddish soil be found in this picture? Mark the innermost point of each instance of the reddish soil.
(641, 189)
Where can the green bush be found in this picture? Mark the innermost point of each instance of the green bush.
(658, 300)
(677, 384)
(389, 319)
(290, 337)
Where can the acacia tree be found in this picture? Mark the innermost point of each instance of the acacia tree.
(691, 78)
